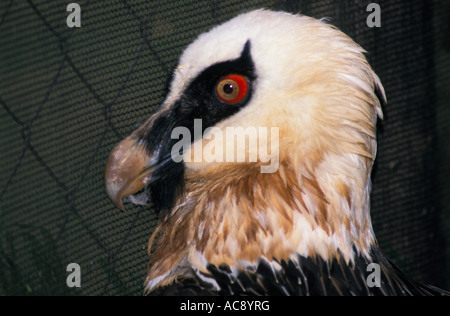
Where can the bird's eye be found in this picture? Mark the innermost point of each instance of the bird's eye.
(232, 89)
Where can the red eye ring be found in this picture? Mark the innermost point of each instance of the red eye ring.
(232, 89)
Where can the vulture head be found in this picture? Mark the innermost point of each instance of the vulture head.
(261, 151)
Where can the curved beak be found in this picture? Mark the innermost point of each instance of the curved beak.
(128, 171)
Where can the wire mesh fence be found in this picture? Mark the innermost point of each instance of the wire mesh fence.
(68, 95)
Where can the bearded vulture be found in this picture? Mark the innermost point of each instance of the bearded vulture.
(259, 160)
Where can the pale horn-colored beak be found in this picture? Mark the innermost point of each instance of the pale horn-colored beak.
(127, 171)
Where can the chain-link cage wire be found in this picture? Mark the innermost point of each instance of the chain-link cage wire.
(68, 95)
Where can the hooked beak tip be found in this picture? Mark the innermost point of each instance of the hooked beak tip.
(113, 191)
(126, 172)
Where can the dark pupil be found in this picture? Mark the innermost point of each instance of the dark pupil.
(228, 88)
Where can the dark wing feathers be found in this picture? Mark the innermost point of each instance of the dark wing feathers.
(304, 276)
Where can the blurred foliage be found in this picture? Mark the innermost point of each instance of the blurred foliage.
(49, 273)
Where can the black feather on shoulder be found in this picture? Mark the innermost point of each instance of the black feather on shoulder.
(305, 276)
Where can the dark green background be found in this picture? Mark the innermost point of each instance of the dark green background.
(67, 96)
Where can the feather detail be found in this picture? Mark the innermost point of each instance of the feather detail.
(305, 276)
